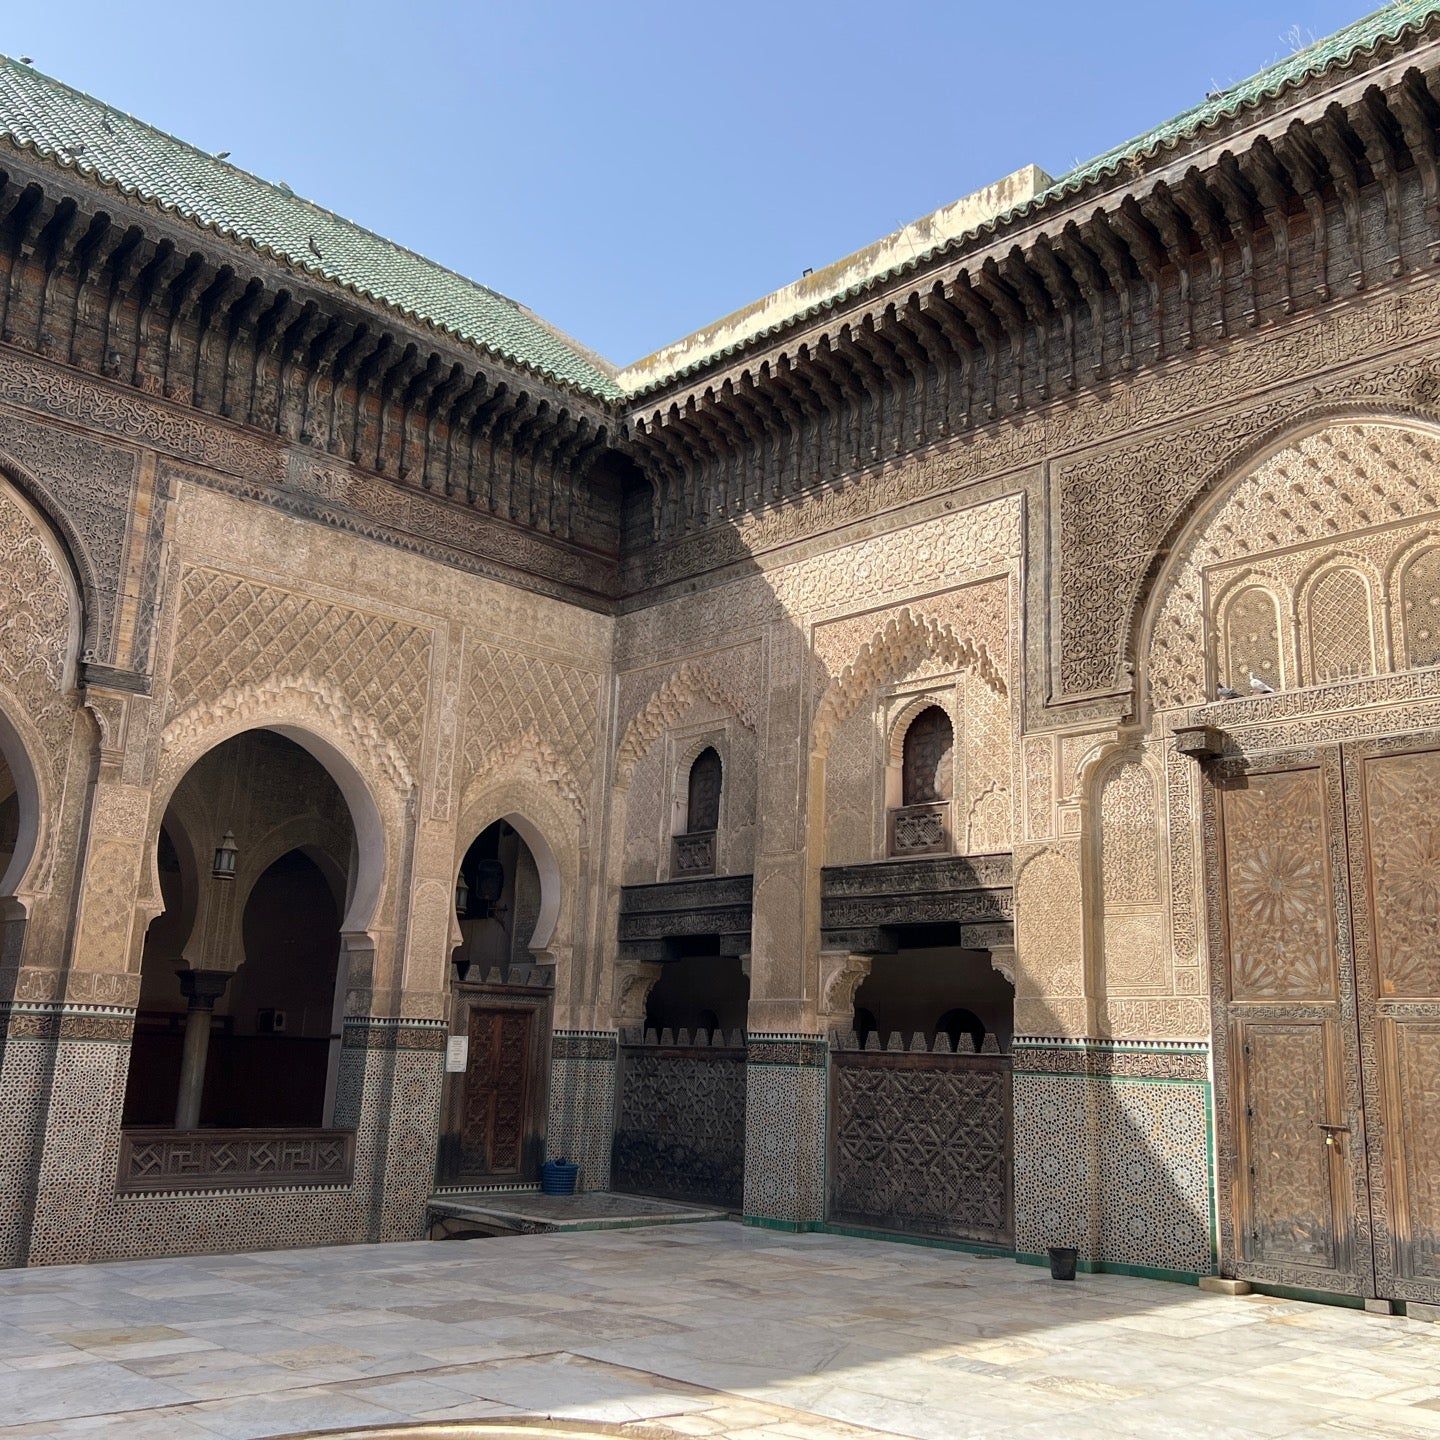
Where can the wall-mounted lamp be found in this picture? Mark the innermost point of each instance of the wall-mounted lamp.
(225, 854)
(462, 896)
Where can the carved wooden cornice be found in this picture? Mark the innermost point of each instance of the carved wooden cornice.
(133, 296)
(1308, 200)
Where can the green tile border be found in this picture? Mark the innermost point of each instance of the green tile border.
(928, 1242)
(1106, 1267)
(788, 1227)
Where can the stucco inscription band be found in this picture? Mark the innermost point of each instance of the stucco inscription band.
(947, 751)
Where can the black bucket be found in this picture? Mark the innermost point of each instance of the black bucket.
(1062, 1261)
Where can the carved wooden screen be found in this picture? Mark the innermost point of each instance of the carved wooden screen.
(680, 1127)
(1392, 789)
(926, 774)
(921, 1143)
(703, 810)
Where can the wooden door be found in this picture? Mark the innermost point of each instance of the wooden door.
(492, 1127)
(1285, 1018)
(1392, 790)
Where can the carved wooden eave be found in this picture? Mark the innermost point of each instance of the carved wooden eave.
(1310, 196)
(139, 298)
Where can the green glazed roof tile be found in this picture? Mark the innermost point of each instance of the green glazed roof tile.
(40, 114)
(1384, 25)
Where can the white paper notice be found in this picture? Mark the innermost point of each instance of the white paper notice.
(457, 1053)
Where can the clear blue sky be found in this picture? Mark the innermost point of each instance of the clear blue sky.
(636, 168)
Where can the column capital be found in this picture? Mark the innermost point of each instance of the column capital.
(202, 988)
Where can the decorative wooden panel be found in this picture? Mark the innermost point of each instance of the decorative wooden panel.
(160, 1159)
(1415, 1045)
(703, 805)
(496, 1081)
(927, 772)
(1278, 888)
(1403, 840)
(1290, 1215)
(680, 1130)
(494, 1111)
(1288, 1077)
(921, 1143)
(1394, 851)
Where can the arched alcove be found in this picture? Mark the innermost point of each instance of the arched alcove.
(256, 862)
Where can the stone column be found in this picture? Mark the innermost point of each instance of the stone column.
(201, 988)
(785, 1111)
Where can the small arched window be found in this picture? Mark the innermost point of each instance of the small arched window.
(926, 773)
(703, 809)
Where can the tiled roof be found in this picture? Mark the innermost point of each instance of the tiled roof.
(1387, 23)
(40, 114)
(1390, 23)
(74, 129)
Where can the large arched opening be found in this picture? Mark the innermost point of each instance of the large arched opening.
(258, 864)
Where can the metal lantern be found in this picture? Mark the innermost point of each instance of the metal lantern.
(462, 896)
(225, 855)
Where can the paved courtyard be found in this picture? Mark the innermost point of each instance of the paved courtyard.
(697, 1330)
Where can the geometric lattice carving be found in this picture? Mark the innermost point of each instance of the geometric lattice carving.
(1347, 479)
(510, 694)
(928, 771)
(35, 620)
(236, 632)
(703, 808)
(681, 1126)
(921, 1143)
(1420, 609)
(1341, 642)
(233, 1159)
(1252, 639)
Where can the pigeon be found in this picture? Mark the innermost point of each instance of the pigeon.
(108, 123)
(1259, 686)
(222, 154)
(314, 248)
(1224, 692)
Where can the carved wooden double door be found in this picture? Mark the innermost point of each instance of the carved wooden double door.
(1327, 1015)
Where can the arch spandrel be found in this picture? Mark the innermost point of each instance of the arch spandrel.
(1320, 488)
(376, 806)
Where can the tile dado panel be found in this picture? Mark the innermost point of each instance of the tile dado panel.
(1113, 1154)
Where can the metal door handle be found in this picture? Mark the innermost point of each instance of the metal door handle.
(1331, 1129)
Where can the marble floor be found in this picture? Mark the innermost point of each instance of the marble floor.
(695, 1330)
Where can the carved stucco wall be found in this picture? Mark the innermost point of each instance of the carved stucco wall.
(822, 643)
(1312, 567)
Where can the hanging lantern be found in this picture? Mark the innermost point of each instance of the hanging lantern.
(462, 896)
(489, 881)
(225, 856)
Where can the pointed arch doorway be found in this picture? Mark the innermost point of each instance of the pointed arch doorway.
(498, 1063)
